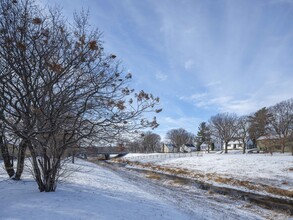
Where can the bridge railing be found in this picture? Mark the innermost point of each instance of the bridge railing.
(109, 150)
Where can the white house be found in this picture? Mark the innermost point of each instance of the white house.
(187, 148)
(234, 145)
(238, 144)
(217, 145)
(168, 148)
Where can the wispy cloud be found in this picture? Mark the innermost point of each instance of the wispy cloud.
(168, 123)
(235, 62)
(161, 77)
(188, 64)
(282, 1)
(213, 83)
(194, 97)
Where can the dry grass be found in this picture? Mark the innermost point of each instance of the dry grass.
(179, 182)
(210, 192)
(94, 159)
(248, 205)
(253, 186)
(153, 176)
(278, 191)
(209, 176)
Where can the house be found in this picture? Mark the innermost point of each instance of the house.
(217, 145)
(238, 144)
(274, 143)
(234, 145)
(249, 144)
(187, 148)
(204, 146)
(169, 148)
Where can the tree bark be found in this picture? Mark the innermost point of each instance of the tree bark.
(226, 147)
(36, 169)
(283, 144)
(244, 147)
(20, 159)
(73, 157)
(6, 158)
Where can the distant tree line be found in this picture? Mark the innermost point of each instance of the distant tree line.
(274, 124)
(150, 142)
(147, 142)
(59, 90)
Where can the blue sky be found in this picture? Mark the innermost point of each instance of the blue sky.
(201, 57)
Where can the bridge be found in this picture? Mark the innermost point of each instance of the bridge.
(119, 151)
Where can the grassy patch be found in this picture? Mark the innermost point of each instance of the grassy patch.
(155, 176)
(278, 191)
(209, 176)
(94, 159)
(178, 181)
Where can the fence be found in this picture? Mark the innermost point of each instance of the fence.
(166, 155)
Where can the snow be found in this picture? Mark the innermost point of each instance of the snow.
(100, 192)
(91, 193)
(275, 170)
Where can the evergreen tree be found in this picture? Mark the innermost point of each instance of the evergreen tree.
(259, 124)
(203, 135)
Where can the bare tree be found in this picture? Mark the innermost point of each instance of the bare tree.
(134, 145)
(281, 121)
(150, 142)
(178, 137)
(224, 126)
(242, 131)
(59, 89)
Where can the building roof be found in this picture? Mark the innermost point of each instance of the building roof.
(268, 137)
(189, 145)
(170, 146)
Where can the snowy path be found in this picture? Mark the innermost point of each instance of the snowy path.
(97, 192)
(91, 193)
(199, 204)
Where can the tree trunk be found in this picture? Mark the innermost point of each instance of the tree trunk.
(51, 182)
(226, 147)
(283, 141)
(283, 148)
(20, 159)
(73, 157)
(37, 173)
(6, 157)
(244, 147)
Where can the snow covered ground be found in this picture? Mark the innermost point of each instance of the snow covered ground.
(100, 192)
(91, 193)
(275, 171)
